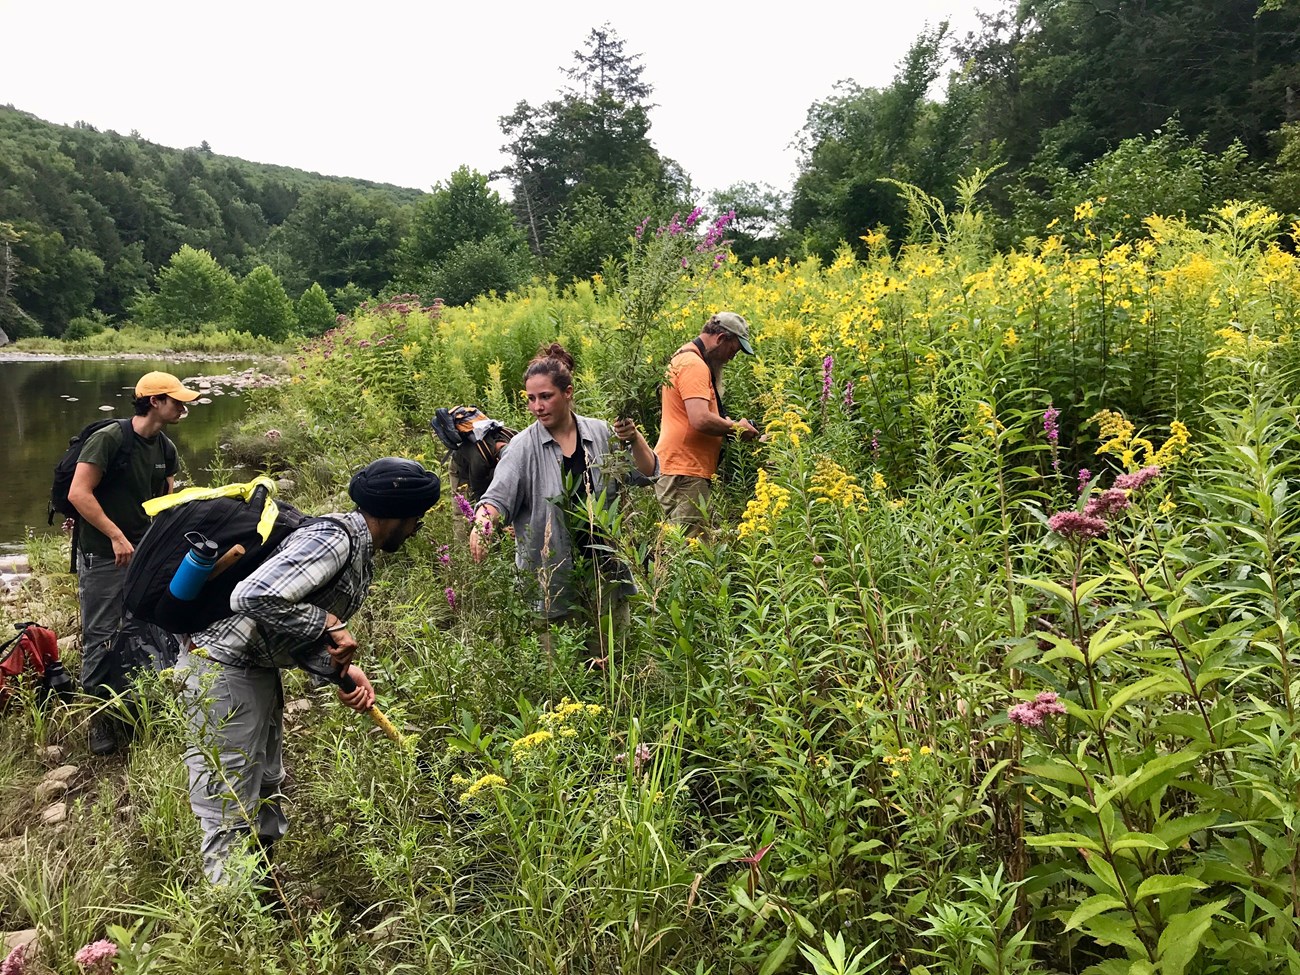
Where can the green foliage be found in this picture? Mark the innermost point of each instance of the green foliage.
(860, 135)
(314, 312)
(100, 212)
(84, 327)
(1285, 180)
(463, 243)
(262, 308)
(474, 268)
(1165, 174)
(585, 149)
(757, 233)
(336, 236)
(193, 289)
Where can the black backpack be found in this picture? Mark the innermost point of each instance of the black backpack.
(66, 468)
(230, 521)
(473, 453)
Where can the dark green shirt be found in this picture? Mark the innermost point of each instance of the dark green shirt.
(122, 492)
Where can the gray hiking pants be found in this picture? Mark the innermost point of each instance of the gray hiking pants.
(235, 756)
(99, 592)
(107, 661)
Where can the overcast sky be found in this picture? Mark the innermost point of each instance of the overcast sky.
(406, 92)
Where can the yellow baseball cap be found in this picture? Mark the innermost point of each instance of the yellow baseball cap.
(164, 384)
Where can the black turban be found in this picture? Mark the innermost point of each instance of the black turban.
(393, 487)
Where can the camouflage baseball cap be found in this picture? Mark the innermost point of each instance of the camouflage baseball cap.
(729, 321)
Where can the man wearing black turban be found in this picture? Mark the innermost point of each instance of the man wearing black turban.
(290, 612)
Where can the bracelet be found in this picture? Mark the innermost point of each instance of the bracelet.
(335, 629)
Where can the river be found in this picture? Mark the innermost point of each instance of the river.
(43, 402)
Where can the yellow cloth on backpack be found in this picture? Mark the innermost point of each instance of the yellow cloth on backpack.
(245, 490)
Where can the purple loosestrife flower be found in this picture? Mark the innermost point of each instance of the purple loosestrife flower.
(1106, 505)
(1050, 426)
(1085, 477)
(675, 227)
(1138, 479)
(1053, 431)
(464, 507)
(451, 598)
(640, 228)
(875, 445)
(1076, 526)
(848, 394)
(444, 554)
(694, 215)
(828, 368)
(97, 957)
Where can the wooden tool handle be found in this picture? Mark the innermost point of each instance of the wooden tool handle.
(233, 555)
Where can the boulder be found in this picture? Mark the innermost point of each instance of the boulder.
(25, 936)
(4, 339)
(55, 814)
(50, 754)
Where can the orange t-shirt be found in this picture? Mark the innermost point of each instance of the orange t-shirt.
(681, 448)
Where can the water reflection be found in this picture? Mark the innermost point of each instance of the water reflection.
(42, 404)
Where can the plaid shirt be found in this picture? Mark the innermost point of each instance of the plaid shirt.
(280, 609)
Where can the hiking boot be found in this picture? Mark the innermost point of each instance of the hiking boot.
(103, 740)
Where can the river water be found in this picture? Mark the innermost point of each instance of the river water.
(44, 402)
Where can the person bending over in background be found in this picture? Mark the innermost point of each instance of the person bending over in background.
(291, 612)
(560, 446)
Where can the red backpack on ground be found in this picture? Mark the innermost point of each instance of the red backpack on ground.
(35, 650)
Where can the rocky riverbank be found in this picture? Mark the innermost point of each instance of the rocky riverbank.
(10, 353)
(13, 570)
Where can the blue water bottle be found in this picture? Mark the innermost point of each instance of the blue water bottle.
(194, 568)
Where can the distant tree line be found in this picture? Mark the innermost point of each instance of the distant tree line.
(1142, 105)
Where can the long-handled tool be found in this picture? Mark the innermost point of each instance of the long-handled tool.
(348, 685)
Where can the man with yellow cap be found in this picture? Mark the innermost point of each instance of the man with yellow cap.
(121, 466)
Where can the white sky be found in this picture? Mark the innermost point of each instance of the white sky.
(406, 92)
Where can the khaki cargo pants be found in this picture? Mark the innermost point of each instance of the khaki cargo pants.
(683, 499)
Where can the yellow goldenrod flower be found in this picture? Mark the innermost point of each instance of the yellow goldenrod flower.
(764, 508)
(486, 782)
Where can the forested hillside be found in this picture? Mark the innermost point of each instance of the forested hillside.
(1164, 106)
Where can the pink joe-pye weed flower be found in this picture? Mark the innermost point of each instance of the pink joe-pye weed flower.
(1106, 505)
(1138, 479)
(97, 957)
(1025, 715)
(15, 962)
(1076, 526)
(1047, 703)
(1030, 714)
(640, 755)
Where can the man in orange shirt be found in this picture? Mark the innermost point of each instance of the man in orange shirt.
(694, 422)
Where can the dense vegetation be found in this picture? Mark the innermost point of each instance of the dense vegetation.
(1171, 106)
(988, 669)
